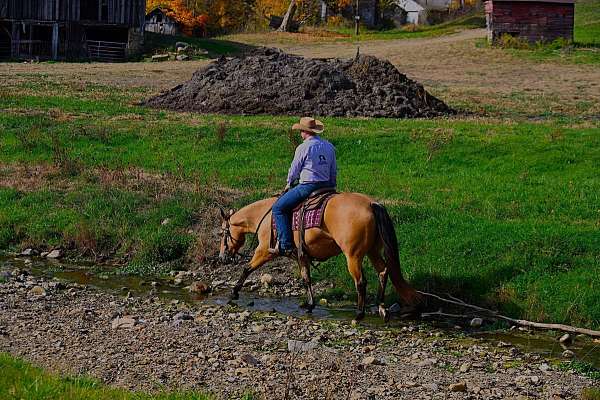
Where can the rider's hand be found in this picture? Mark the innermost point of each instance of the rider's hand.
(287, 187)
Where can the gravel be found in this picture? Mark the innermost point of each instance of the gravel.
(148, 343)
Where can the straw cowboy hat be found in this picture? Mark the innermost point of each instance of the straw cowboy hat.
(309, 124)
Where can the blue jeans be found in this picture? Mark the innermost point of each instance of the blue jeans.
(283, 207)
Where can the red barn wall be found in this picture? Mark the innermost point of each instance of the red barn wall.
(532, 21)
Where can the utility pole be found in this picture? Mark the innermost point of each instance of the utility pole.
(356, 18)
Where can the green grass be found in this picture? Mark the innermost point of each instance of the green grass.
(470, 21)
(158, 44)
(20, 380)
(590, 394)
(587, 22)
(499, 212)
(582, 368)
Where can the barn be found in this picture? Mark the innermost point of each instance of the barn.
(158, 21)
(102, 30)
(530, 20)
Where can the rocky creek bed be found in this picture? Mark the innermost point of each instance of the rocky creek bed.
(150, 342)
(269, 81)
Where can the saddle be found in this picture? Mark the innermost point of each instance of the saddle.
(308, 214)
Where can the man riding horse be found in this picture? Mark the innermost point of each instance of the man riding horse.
(353, 224)
(314, 166)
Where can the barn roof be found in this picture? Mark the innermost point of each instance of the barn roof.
(159, 10)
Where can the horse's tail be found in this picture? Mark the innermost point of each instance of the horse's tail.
(387, 233)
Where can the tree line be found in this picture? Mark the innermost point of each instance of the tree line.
(224, 16)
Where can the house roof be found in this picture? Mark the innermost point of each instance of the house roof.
(409, 5)
(537, 1)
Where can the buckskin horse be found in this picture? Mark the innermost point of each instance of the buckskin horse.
(352, 224)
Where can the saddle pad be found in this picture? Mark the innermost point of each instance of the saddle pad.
(313, 217)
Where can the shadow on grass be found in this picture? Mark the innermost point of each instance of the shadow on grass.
(156, 43)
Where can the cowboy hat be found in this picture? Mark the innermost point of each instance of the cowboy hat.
(309, 124)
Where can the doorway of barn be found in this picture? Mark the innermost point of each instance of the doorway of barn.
(5, 42)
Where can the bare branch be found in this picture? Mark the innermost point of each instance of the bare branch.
(520, 322)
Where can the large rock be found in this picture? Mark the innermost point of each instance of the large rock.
(160, 57)
(458, 387)
(266, 279)
(269, 81)
(123, 322)
(37, 291)
(28, 252)
(56, 253)
(199, 287)
(297, 346)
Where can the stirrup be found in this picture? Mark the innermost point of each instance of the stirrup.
(292, 253)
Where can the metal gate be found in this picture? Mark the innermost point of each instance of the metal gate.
(106, 51)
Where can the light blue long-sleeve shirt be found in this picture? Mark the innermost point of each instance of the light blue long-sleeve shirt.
(314, 161)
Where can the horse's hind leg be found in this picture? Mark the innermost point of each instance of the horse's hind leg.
(379, 264)
(261, 256)
(355, 269)
(305, 271)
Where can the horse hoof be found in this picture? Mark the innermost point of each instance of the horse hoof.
(308, 307)
(384, 314)
(234, 296)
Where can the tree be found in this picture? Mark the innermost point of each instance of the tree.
(188, 19)
(288, 17)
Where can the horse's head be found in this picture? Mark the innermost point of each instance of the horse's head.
(232, 237)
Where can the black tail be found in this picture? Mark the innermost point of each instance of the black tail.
(387, 233)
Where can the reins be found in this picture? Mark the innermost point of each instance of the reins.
(227, 235)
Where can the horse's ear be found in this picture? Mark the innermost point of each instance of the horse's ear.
(223, 214)
(231, 212)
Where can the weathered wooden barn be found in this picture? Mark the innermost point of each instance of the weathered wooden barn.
(530, 20)
(104, 30)
(158, 21)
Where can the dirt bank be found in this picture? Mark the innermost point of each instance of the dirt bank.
(149, 343)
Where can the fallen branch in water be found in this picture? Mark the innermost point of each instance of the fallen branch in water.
(520, 322)
(445, 315)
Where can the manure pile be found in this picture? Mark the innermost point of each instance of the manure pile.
(269, 81)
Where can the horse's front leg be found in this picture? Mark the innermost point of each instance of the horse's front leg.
(261, 256)
(305, 271)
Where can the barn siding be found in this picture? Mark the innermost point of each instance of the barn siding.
(532, 21)
(121, 12)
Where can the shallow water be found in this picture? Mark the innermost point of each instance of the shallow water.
(585, 349)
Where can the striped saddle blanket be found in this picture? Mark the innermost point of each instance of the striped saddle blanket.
(314, 209)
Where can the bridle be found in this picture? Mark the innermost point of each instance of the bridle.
(226, 235)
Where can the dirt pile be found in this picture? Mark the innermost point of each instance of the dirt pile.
(269, 81)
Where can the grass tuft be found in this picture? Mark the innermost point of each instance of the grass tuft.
(20, 380)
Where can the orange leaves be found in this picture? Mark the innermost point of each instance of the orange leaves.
(189, 20)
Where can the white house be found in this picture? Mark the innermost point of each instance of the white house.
(415, 13)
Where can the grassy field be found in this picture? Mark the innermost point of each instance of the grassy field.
(346, 33)
(20, 380)
(471, 21)
(497, 211)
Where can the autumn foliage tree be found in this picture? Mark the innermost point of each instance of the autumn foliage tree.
(190, 20)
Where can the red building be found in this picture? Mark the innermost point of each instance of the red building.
(531, 20)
